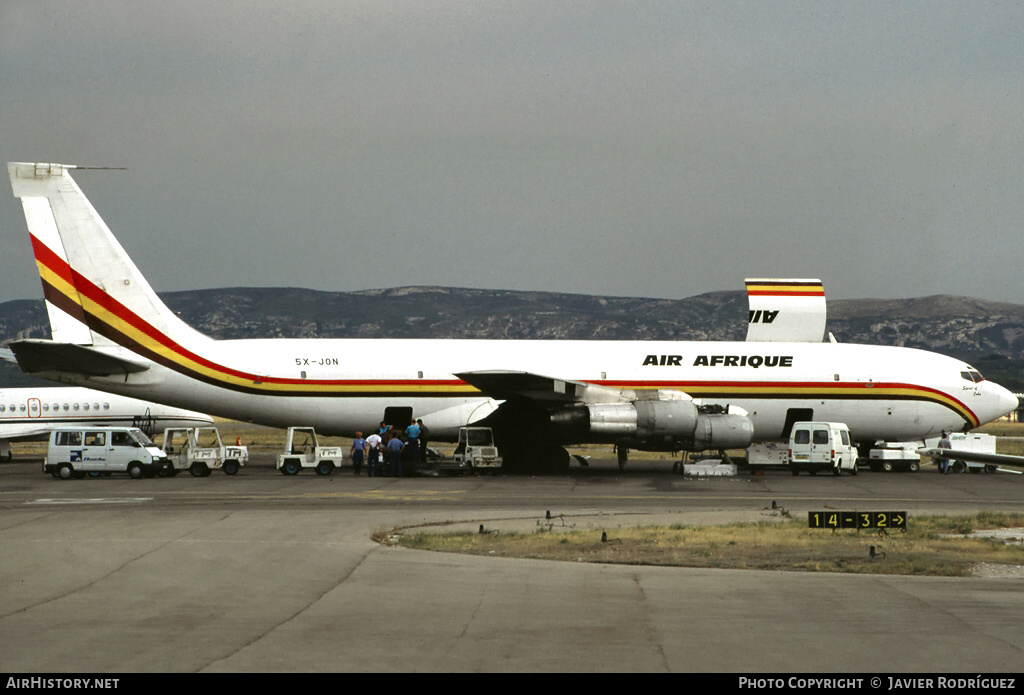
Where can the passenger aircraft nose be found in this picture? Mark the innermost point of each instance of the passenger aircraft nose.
(1002, 401)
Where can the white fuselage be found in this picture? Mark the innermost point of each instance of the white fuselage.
(884, 393)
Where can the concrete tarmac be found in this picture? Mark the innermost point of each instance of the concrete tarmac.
(265, 573)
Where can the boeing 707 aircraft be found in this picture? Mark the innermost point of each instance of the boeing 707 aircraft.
(538, 395)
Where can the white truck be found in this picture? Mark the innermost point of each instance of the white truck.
(821, 446)
(974, 442)
(303, 450)
(184, 451)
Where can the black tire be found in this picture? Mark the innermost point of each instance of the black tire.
(291, 467)
(325, 468)
(231, 467)
(914, 466)
(135, 470)
(959, 467)
(887, 466)
(198, 469)
(64, 471)
(837, 470)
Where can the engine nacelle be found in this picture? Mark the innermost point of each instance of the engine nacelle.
(667, 424)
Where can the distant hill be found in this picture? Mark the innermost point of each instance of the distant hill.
(990, 335)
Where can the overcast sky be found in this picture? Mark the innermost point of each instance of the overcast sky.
(654, 149)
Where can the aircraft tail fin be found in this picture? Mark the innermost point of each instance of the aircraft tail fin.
(791, 311)
(94, 292)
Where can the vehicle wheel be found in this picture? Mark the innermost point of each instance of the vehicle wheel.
(887, 466)
(914, 466)
(198, 470)
(853, 471)
(290, 467)
(95, 474)
(837, 470)
(990, 468)
(135, 470)
(324, 468)
(959, 467)
(65, 471)
(231, 467)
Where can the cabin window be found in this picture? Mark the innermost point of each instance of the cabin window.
(66, 406)
(801, 437)
(95, 406)
(46, 407)
(85, 406)
(3, 408)
(22, 408)
(821, 436)
(106, 406)
(75, 406)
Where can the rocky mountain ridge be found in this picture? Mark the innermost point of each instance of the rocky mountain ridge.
(988, 334)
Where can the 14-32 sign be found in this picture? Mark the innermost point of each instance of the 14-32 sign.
(858, 520)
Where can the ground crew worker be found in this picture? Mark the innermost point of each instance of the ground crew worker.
(358, 445)
(395, 446)
(373, 456)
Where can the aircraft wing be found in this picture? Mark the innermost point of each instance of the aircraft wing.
(14, 432)
(501, 385)
(36, 356)
(975, 456)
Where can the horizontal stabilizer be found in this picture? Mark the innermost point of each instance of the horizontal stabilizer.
(35, 356)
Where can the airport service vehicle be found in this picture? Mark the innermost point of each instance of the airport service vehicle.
(476, 449)
(73, 452)
(768, 455)
(303, 450)
(974, 443)
(895, 456)
(822, 446)
(184, 451)
(537, 395)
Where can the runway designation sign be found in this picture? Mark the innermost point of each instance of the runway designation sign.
(857, 520)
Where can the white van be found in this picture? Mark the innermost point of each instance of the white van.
(821, 446)
(75, 451)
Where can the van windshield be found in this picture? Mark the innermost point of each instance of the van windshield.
(141, 438)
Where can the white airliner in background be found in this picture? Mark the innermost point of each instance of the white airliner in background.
(30, 414)
(538, 395)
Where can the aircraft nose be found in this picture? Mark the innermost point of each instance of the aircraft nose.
(1003, 401)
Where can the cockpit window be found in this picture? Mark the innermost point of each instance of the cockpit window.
(972, 375)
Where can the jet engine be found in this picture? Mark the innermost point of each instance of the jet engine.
(657, 424)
